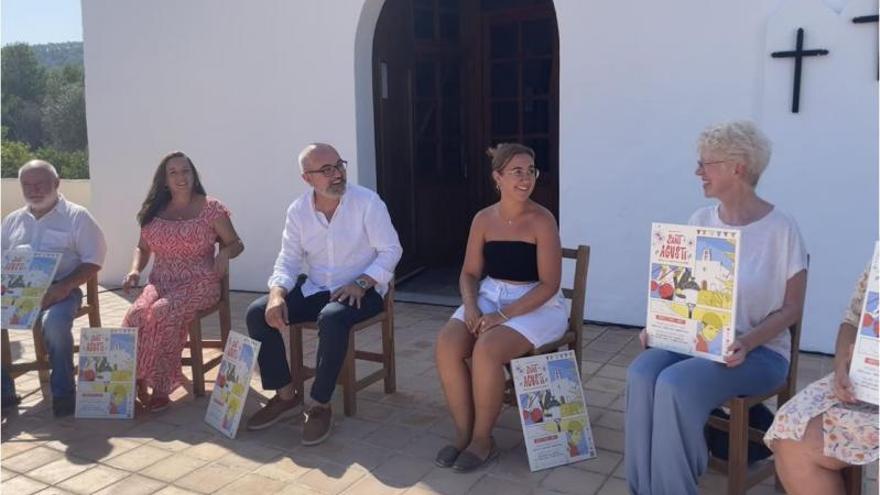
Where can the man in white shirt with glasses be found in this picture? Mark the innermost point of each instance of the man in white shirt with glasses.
(341, 237)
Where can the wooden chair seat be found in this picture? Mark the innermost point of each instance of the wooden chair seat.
(348, 377)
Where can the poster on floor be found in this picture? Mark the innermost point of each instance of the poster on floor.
(863, 369)
(26, 276)
(105, 381)
(553, 412)
(233, 383)
(692, 289)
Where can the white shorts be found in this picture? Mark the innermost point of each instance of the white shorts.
(541, 326)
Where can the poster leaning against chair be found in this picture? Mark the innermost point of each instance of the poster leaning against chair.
(553, 412)
(26, 276)
(107, 361)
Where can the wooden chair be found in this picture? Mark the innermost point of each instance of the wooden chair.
(741, 476)
(347, 377)
(196, 345)
(852, 480)
(41, 362)
(573, 336)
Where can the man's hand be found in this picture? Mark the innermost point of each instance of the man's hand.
(737, 353)
(55, 293)
(276, 310)
(843, 387)
(349, 294)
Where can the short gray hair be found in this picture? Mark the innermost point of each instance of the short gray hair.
(739, 138)
(304, 154)
(41, 164)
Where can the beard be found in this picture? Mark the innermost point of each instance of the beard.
(336, 190)
(43, 204)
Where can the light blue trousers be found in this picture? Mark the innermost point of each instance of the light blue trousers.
(57, 326)
(668, 399)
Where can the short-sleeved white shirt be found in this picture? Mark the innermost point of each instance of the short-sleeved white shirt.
(68, 229)
(771, 252)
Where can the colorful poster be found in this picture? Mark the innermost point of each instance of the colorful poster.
(107, 361)
(863, 369)
(26, 276)
(553, 412)
(233, 383)
(692, 293)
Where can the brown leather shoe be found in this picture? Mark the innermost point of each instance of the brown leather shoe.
(316, 427)
(274, 411)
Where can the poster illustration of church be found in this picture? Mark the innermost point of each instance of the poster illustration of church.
(692, 293)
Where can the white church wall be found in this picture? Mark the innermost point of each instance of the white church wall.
(824, 169)
(241, 88)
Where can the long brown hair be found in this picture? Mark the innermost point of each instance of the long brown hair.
(159, 196)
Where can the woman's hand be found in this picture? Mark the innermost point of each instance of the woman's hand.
(488, 322)
(472, 316)
(737, 353)
(131, 280)
(221, 262)
(843, 387)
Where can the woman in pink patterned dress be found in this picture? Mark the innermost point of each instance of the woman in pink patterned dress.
(823, 428)
(180, 225)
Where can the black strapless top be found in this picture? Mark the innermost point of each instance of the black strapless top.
(511, 260)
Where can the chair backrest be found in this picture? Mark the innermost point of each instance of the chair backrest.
(224, 288)
(388, 301)
(577, 293)
(795, 331)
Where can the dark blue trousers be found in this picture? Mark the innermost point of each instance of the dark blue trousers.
(334, 322)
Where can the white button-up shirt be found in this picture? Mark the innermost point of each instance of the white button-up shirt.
(359, 239)
(68, 229)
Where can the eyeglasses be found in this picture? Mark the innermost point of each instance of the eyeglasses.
(702, 164)
(330, 170)
(530, 173)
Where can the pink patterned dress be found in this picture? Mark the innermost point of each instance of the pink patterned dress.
(849, 431)
(183, 282)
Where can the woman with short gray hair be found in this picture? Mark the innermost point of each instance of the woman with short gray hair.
(669, 396)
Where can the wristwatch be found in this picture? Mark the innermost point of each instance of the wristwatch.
(362, 283)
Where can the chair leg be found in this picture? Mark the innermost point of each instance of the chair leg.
(348, 380)
(297, 374)
(196, 358)
(5, 350)
(225, 322)
(40, 351)
(388, 354)
(737, 462)
(852, 480)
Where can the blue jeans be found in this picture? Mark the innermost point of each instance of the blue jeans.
(58, 336)
(334, 323)
(668, 399)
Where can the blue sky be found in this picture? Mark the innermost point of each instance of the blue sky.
(40, 21)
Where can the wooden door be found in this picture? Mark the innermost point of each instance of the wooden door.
(520, 90)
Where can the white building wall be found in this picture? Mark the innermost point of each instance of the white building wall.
(242, 87)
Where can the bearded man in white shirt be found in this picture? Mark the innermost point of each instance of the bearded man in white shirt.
(48, 222)
(341, 237)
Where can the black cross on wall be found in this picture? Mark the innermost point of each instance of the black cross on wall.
(798, 54)
(864, 19)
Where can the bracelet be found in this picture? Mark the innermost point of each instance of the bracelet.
(502, 314)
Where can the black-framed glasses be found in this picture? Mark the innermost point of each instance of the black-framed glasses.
(529, 173)
(702, 164)
(329, 170)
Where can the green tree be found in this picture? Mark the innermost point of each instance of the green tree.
(23, 76)
(64, 117)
